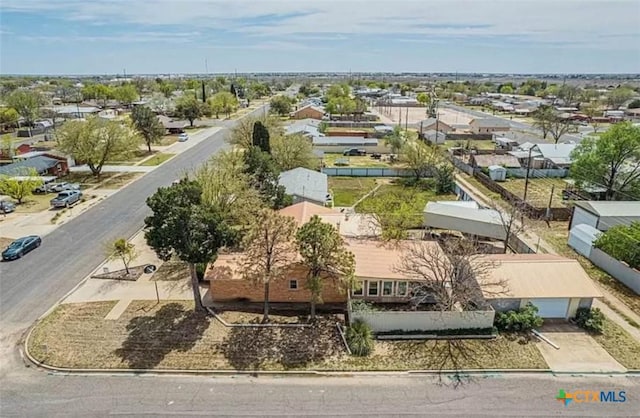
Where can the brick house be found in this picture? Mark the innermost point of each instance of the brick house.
(44, 165)
(308, 112)
(376, 279)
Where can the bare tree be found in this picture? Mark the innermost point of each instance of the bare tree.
(559, 126)
(513, 220)
(269, 249)
(450, 276)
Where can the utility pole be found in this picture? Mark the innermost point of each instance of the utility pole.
(526, 179)
(553, 186)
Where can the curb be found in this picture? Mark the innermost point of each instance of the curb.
(307, 373)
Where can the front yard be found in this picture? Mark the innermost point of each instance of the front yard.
(157, 159)
(622, 346)
(170, 335)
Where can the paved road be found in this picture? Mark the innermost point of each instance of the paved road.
(379, 396)
(28, 287)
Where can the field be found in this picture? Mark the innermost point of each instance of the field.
(539, 191)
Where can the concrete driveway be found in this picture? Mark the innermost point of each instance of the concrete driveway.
(578, 352)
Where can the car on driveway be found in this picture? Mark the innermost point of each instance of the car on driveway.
(354, 152)
(183, 137)
(6, 206)
(60, 187)
(45, 188)
(20, 247)
(66, 199)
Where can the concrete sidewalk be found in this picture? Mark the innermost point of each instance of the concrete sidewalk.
(116, 168)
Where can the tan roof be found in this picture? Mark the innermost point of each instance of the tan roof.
(487, 160)
(303, 211)
(537, 276)
(373, 260)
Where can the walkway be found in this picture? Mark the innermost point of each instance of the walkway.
(115, 168)
(533, 240)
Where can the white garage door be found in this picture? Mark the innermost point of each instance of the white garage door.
(551, 308)
(581, 216)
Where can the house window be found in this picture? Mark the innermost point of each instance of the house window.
(293, 285)
(401, 289)
(358, 289)
(372, 289)
(387, 288)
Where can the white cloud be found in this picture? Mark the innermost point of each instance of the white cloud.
(589, 23)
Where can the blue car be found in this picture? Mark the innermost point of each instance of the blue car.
(20, 247)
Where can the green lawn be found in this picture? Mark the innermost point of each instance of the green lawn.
(622, 346)
(157, 159)
(35, 203)
(347, 190)
(134, 158)
(417, 197)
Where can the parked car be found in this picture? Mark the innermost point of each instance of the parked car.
(61, 187)
(183, 137)
(354, 151)
(6, 206)
(20, 247)
(66, 199)
(45, 188)
(376, 156)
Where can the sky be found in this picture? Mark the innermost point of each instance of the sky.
(197, 36)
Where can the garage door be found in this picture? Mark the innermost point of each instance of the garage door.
(551, 308)
(581, 216)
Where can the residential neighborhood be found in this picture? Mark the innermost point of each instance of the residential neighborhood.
(405, 228)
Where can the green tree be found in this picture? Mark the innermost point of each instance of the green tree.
(242, 131)
(292, 151)
(610, 161)
(97, 92)
(392, 213)
(8, 117)
(261, 137)
(96, 141)
(126, 94)
(223, 102)
(325, 256)
(8, 149)
(419, 158)
(20, 189)
(263, 173)
(542, 119)
(395, 140)
(269, 248)
(593, 111)
(622, 242)
(228, 188)
(634, 104)
(27, 103)
(618, 96)
(190, 108)
(123, 250)
(423, 98)
(147, 124)
(280, 105)
(506, 89)
(183, 226)
(167, 88)
(569, 93)
(359, 337)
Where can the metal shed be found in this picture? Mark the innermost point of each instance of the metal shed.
(602, 215)
(581, 238)
(479, 222)
(497, 173)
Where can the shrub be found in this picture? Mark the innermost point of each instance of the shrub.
(523, 320)
(590, 319)
(360, 305)
(622, 243)
(360, 338)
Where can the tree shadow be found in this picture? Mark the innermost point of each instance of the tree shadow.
(254, 348)
(151, 338)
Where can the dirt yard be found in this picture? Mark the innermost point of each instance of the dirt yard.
(417, 114)
(539, 191)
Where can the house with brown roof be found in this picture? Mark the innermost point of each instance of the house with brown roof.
(433, 124)
(308, 112)
(489, 125)
(556, 285)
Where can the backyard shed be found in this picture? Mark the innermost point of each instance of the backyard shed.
(473, 221)
(581, 238)
(497, 173)
(602, 215)
(305, 185)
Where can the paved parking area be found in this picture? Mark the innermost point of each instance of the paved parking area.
(578, 352)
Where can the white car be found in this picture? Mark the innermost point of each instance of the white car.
(183, 137)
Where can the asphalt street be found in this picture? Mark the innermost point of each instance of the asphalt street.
(370, 396)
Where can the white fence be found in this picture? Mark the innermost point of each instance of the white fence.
(367, 172)
(385, 321)
(620, 271)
